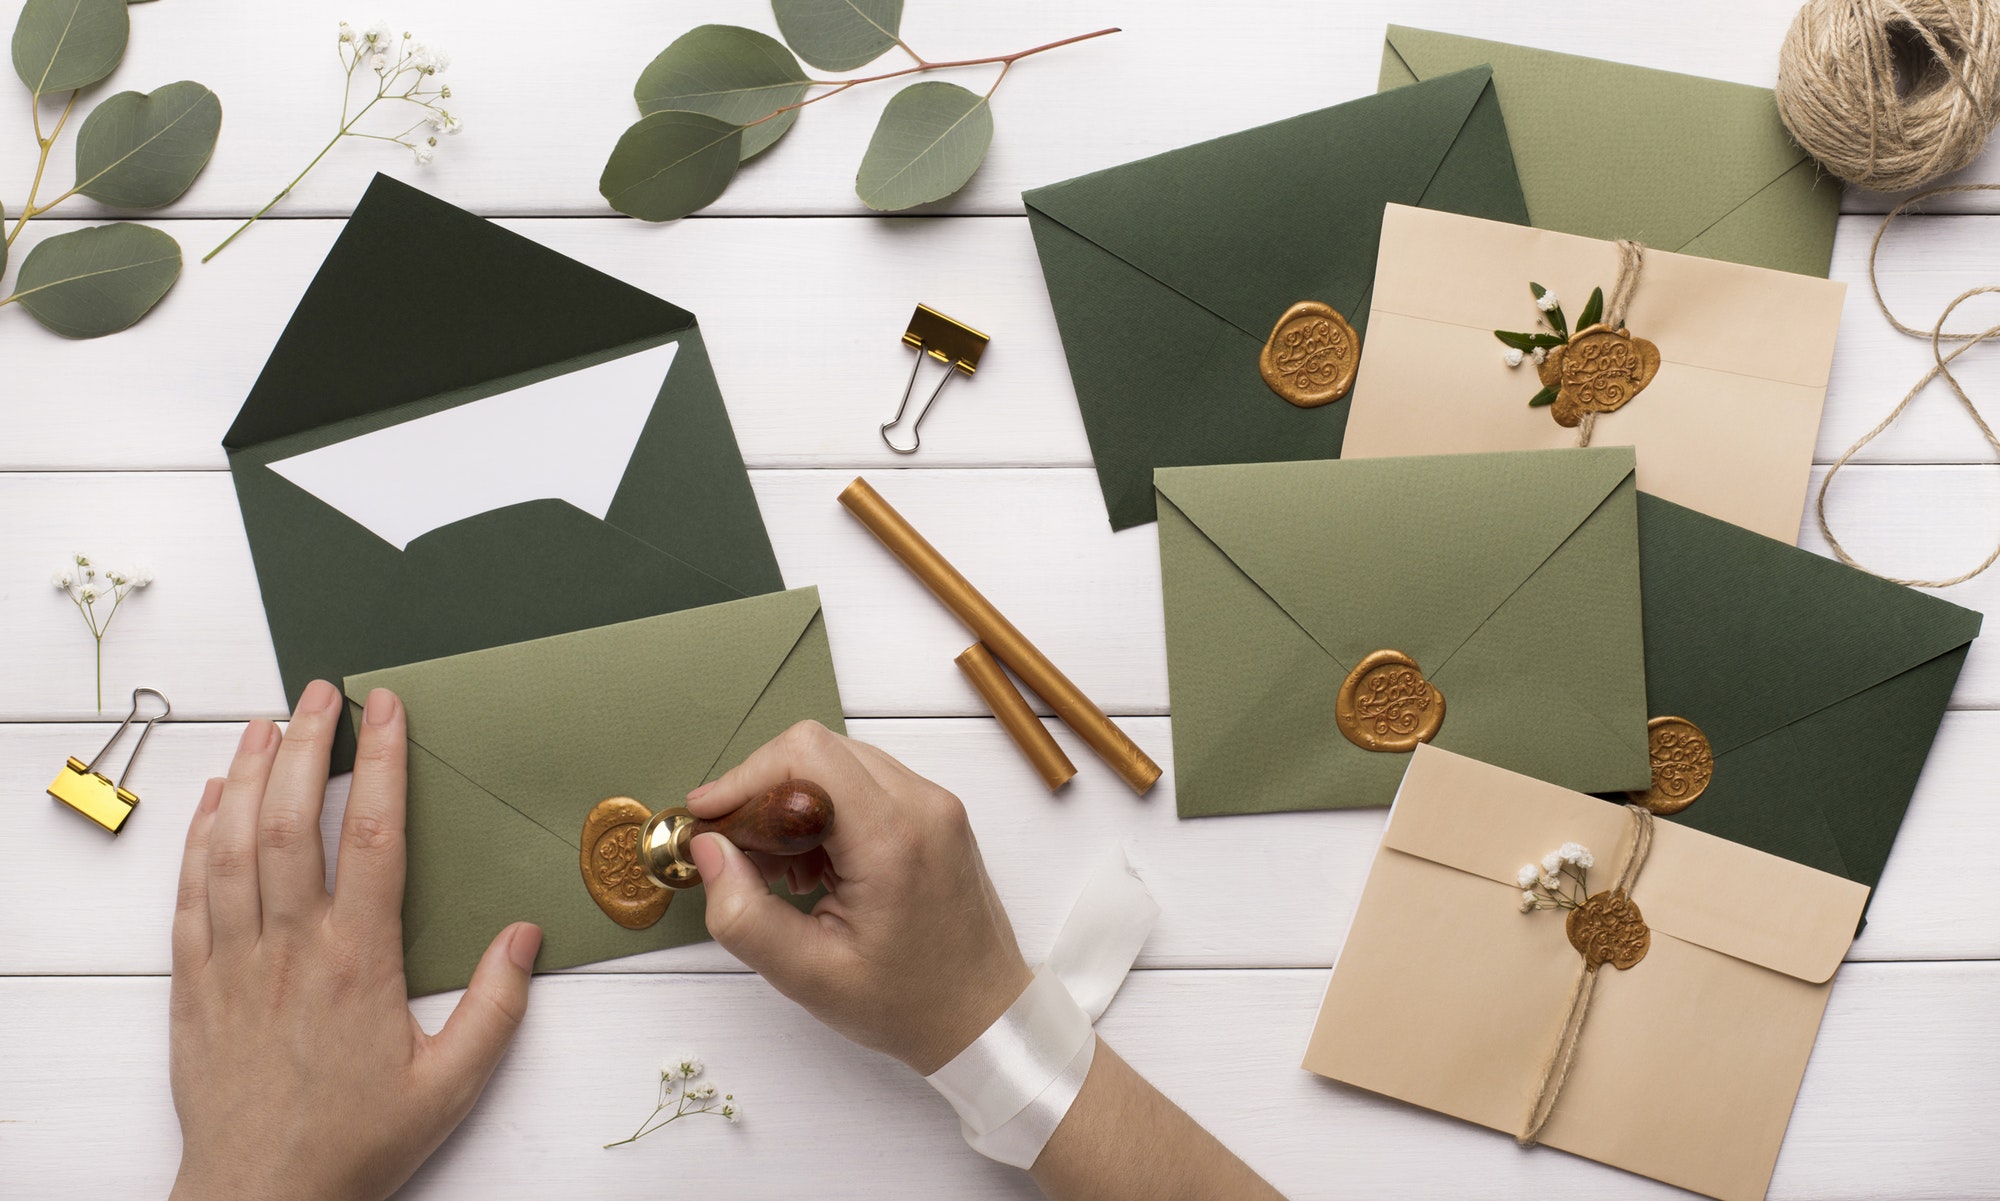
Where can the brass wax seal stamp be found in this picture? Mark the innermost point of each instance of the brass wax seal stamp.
(612, 872)
(634, 860)
(1608, 928)
(1386, 704)
(1597, 371)
(1311, 356)
(1683, 764)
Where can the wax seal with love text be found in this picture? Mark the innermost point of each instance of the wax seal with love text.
(1386, 704)
(1311, 356)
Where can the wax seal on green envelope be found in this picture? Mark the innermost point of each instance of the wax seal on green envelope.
(1311, 356)
(1386, 704)
(1683, 764)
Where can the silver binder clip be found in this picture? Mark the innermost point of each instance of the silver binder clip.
(89, 791)
(934, 335)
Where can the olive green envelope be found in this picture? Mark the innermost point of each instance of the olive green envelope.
(421, 312)
(511, 746)
(1819, 687)
(1167, 274)
(1677, 162)
(1512, 579)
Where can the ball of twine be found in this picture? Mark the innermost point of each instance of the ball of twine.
(1892, 94)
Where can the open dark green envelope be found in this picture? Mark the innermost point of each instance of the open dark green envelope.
(1512, 579)
(1677, 162)
(1167, 274)
(511, 746)
(421, 307)
(1819, 687)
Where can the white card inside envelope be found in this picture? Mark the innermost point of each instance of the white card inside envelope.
(568, 438)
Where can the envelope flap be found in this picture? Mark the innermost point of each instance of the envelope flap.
(1249, 223)
(527, 721)
(1704, 890)
(1609, 150)
(1408, 553)
(484, 303)
(1763, 633)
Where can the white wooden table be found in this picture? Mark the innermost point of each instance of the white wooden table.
(112, 447)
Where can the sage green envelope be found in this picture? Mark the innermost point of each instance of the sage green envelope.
(1819, 687)
(1167, 274)
(1512, 579)
(1678, 162)
(511, 746)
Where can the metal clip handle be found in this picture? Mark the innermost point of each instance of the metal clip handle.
(166, 709)
(933, 335)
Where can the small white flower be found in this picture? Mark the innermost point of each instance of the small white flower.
(347, 34)
(428, 59)
(1547, 301)
(1513, 356)
(378, 35)
(424, 155)
(733, 1112)
(88, 596)
(1527, 902)
(1584, 859)
(687, 1067)
(444, 93)
(379, 63)
(1552, 862)
(142, 576)
(116, 577)
(81, 561)
(1541, 355)
(1552, 883)
(443, 122)
(62, 580)
(1528, 874)
(701, 1092)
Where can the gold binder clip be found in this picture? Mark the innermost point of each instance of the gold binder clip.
(90, 792)
(934, 335)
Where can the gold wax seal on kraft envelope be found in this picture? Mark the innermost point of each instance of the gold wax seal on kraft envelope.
(1311, 356)
(612, 872)
(1386, 704)
(1683, 764)
(1608, 928)
(1597, 371)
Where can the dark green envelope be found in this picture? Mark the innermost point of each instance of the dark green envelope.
(1819, 687)
(1168, 273)
(421, 307)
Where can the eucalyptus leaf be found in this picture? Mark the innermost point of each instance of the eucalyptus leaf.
(142, 150)
(97, 281)
(1592, 309)
(671, 163)
(1527, 341)
(931, 138)
(839, 35)
(733, 74)
(60, 45)
(1547, 396)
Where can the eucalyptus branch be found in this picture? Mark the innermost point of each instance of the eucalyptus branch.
(42, 162)
(1006, 61)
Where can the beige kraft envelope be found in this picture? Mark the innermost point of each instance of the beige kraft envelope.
(1446, 995)
(1727, 426)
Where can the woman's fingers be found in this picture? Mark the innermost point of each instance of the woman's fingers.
(234, 908)
(368, 880)
(193, 935)
(807, 751)
(291, 866)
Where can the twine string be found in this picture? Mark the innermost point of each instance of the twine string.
(1631, 257)
(1556, 1069)
(1940, 368)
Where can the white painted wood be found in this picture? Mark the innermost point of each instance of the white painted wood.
(1268, 891)
(802, 318)
(546, 92)
(1033, 541)
(1898, 1101)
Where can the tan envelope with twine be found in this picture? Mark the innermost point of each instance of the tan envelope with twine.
(1684, 1067)
(1726, 426)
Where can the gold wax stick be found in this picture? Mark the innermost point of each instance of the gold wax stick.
(1016, 718)
(1006, 643)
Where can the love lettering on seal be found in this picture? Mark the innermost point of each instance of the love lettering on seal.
(612, 873)
(1386, 704)
(1683, 764)
(1311, 356)
(1608, 928)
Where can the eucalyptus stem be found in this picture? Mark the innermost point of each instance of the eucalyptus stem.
(41, 164)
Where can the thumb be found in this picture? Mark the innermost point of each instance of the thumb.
(478, 1031)
(746, 917)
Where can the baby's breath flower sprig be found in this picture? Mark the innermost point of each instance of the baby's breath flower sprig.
(86, 587)
(1558, 881)
(679, 1090)
(404, 70)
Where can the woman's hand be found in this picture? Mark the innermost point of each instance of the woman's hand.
(910, 952)
(298, 1070)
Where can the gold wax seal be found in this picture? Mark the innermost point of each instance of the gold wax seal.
(1597, 371)
(1608, 928)
(1683, 764)
(1311, 355)
(612, 873)
(1386, 704)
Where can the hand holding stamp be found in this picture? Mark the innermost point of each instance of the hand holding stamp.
(634, 860)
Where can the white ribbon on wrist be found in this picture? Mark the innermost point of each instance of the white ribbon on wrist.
(1013, 1084)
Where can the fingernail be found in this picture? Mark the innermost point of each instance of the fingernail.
(523, 947)
(380, 710)
(697, 793)
(211, 795)
(256, 736)
(319, 697)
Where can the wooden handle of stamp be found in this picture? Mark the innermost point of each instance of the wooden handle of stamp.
(790, 819)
